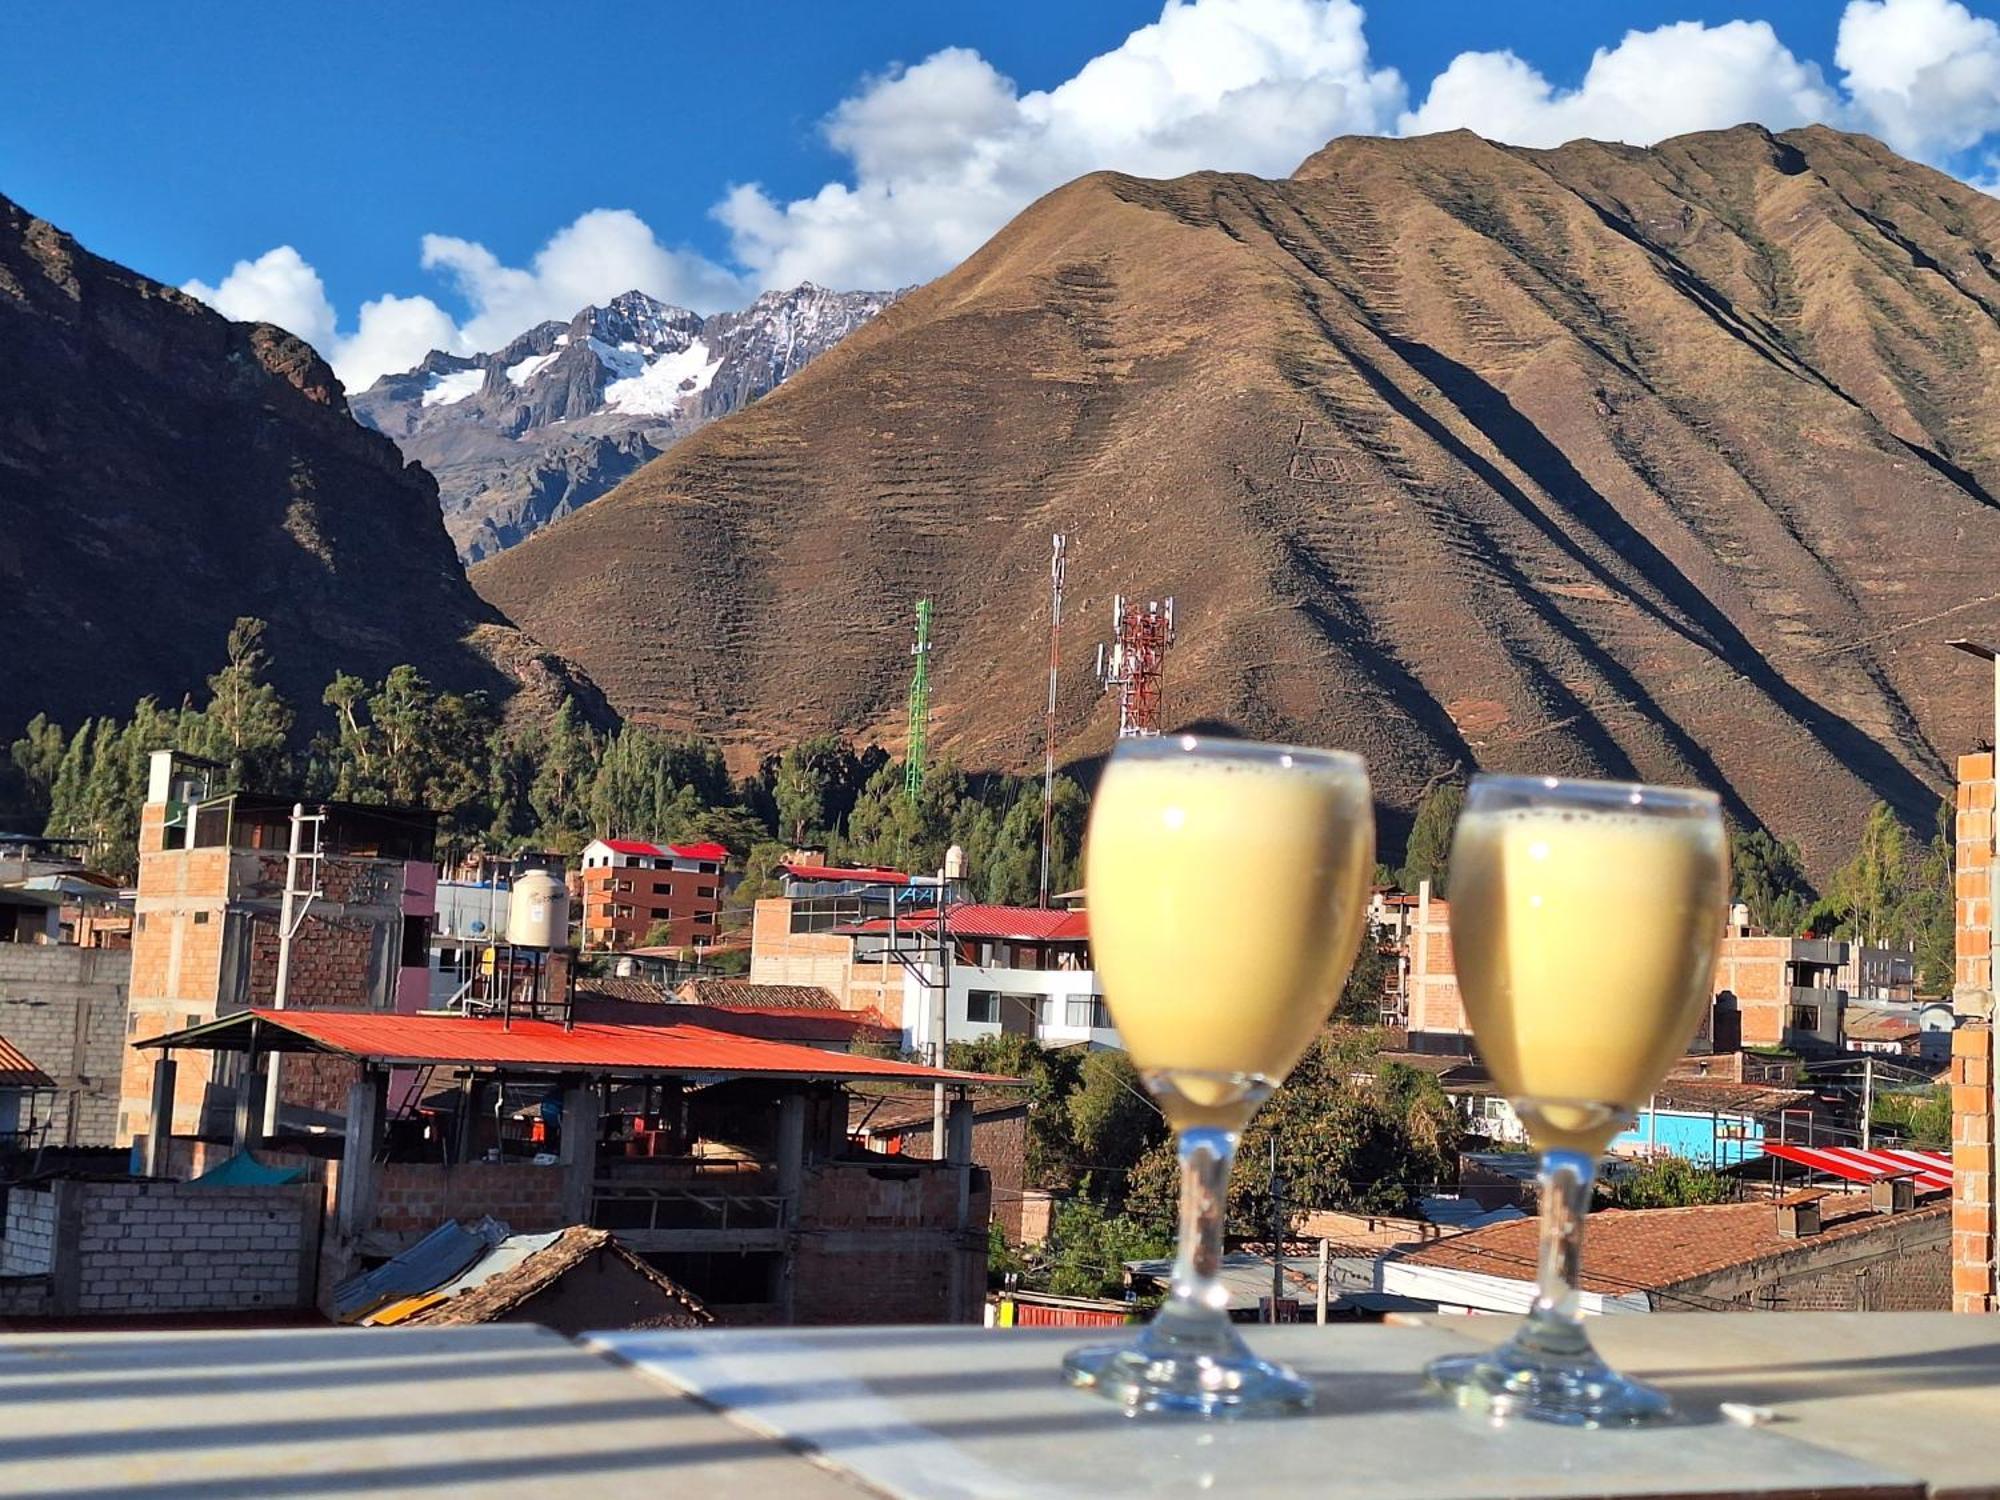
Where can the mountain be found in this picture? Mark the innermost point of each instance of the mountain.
(164, 470)
(1676, 463)
(524, 435)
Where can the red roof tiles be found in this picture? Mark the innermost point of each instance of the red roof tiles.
(18, 1071)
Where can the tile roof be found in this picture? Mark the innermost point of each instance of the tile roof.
(896, 1112)
(859, 874)
(18, 1070)
(546, 1259)
(743, 994)
(1645, 1249)
(644, 850)
(670, 1048)
(1879, 1025)
(629, 988)
(1724, 1097)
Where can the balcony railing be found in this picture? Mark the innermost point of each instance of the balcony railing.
(652, 1208)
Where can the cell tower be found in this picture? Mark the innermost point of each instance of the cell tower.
(920, 705)
(1134, 662)
(1056, 566)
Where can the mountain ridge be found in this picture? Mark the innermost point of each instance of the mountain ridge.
(164, 470)
(1671, 462)
(526, 433)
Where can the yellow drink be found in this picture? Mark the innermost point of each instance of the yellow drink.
(1585, 938)
(1226, 885)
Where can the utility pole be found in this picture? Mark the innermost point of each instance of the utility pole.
(1056, 568)
(954, 869)
(1277, 1231)
(1325, 1262)
(291, 917)
(1867, 1101)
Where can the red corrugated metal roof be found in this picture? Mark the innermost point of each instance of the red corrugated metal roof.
(18, 1071)
(643, 850)
(481, 1041)
(838, 872)
(1931, 1169)
(1019, 924)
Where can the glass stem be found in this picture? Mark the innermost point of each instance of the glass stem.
(1198, 1307)
(1554, 1328)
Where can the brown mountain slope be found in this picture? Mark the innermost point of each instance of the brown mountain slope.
(163, 470)
(1674, 462)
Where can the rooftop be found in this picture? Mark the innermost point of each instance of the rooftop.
(845, 874)
(18, 1071)
(607, 1049)
(710, 851)
(1644, 1249)
(1723, 1097)
(1019, 924)
(743, 994)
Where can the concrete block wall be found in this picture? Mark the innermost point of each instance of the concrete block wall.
(419, 1196)
(65, 1008)
(882, 1245)
(27, 1244)
(145, 1247)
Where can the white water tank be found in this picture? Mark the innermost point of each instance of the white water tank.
(538, 911)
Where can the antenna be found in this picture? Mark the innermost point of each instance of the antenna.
(1056, 565)
(917, 745)
(1134, 663)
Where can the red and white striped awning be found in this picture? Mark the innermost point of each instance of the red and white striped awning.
(1931, 1169)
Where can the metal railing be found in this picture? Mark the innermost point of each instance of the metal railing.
(637, 1207)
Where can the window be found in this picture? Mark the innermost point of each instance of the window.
(983, 1005)
(1805, 1018)
(201, 919)
(663, 888)
(139, 922)
(416, 942)
(1087, 1013)
(623, 887)
(705, 916)
(705, 892)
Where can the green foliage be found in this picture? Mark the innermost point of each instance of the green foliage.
(246, 724)
(1112, 1122)
(998, 824)
(404, 742)
(1353, 1131)
(1670, 1182)
(1770, 879)
(1360, 1002)
(1053, 1158)
(1922, 1118)
(1088, 1247)
(1897, 892)
(1428, 851)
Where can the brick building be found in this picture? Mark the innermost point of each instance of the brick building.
(205, 939)
(1972, 1142)
(1719, 1257)
(899, 1124)
(629, 888)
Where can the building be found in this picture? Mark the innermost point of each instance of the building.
(1432, 1003)
(898, 1123)
(1781, 991)
(723, 1160)
(205, 942)
(633, 891)
(1878, 976)
(1721, 1257)
(1715, 1123)
(1920, 1030)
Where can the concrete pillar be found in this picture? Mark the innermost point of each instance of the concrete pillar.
(248, 1121)
(159, 1134)
(958, 1131)
(791, 1142)
(367, 1104)
(579, 1150)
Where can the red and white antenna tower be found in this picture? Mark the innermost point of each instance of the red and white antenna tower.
(1135, 661)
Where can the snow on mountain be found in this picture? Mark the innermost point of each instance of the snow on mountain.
(529, 432)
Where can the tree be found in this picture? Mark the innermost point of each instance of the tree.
(1112, 1121)
(247, 724)
(1088, 1248)
(1869, 891)
(1670, 1182)
(1353, 1131)
(1428, 852)
(1921, 1118)
(1053, 1159)
(1360, 1002)
(1770, 879)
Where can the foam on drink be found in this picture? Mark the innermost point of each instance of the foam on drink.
(1585, 943)
(1226, 895)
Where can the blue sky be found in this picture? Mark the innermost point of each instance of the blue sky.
(704, 151)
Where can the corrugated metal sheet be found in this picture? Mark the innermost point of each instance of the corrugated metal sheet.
(18, 1071)
(508, 1254)
(1931, 1169)
(596, 1046)
(436, 1258)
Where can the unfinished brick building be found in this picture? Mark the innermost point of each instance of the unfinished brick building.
(205, 938)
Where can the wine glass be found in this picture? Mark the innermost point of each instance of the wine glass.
(1226, 883)
(1585, 918)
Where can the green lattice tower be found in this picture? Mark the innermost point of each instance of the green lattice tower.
(920, 705)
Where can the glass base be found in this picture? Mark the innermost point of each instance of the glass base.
(1508, 1383)
(1145, 1378)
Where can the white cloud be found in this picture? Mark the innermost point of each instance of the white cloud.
(946, 151)
(277, 287)
(941, 153)
(1653, 84)
(605, 252)
(1924, 74)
